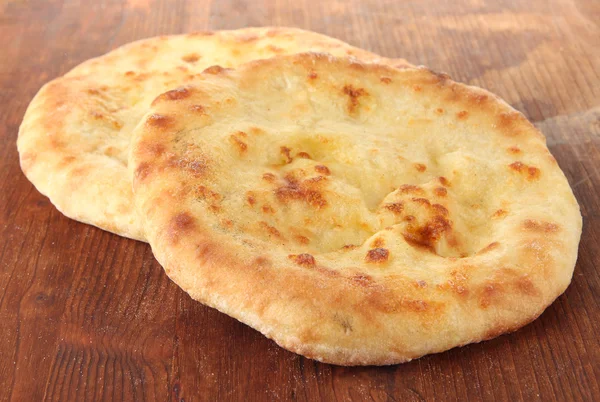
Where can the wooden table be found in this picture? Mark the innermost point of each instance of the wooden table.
(87, 315)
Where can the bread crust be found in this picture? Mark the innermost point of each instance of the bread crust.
(74, 139)
(355, 214)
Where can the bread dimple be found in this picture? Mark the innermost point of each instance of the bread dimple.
(74, 139)
(385, 229)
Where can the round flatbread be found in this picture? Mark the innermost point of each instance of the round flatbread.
(355, 214)
(74, 139)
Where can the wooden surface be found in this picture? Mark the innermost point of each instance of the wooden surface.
(87, 315)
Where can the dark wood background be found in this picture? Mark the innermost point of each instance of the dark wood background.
(87, 315)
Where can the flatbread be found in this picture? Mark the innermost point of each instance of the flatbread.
(356, 214)
(73, 142)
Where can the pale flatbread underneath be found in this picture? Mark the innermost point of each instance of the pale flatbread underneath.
(74, 139)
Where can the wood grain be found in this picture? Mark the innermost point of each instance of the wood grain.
(87, 315)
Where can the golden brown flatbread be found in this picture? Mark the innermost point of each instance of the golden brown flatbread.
(74, 139)
(356, 214)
